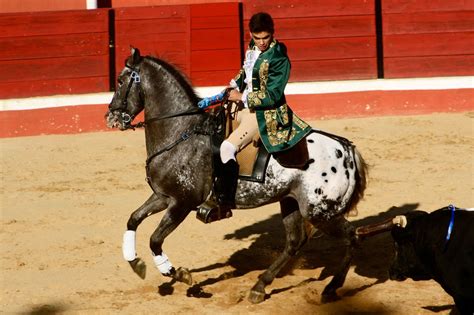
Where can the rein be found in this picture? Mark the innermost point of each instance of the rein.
(184, 136)
(135, 78)
(188, 112)
(127, 118)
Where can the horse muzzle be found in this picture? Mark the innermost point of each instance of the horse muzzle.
(118, 119)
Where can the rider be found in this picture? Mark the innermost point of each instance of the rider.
(260, 86)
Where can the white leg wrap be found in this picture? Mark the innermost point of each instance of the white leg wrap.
(162, 263)
(128, 246)
(227, 151)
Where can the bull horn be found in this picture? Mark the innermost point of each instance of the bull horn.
(386, 225)
(400, 220)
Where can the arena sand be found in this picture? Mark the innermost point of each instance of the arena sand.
(65, 201)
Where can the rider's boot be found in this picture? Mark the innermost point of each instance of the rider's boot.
(225, 187)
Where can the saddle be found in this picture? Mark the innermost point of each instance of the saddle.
(252, 162)
(253, 158)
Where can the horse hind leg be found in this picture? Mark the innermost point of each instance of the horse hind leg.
(296, 237)
(341, 228)
(154, 204)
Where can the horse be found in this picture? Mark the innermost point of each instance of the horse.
(179, 172)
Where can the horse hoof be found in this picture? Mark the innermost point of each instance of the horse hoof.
(139, 266)
(256, 297)
(329, 298)
(183, 275)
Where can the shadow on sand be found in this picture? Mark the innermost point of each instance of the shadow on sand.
(371, 260)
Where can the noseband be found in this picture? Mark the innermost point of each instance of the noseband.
(125, 116)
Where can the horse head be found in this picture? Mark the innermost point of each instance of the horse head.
(127, 101)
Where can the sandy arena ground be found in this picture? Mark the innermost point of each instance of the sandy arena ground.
(65, 201)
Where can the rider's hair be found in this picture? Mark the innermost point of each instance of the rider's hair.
(261, 22)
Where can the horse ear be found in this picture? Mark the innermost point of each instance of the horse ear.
(135, 53)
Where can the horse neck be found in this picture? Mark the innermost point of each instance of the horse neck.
(164, 95)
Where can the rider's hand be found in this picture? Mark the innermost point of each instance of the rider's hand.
(235, 96)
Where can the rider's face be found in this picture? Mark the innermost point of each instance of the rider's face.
(262, 40)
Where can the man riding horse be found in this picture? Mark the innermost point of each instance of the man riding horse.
(260, 86)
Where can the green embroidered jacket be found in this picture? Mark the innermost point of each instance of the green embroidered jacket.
(279, 127)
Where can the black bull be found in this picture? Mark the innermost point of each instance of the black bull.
(437, 245)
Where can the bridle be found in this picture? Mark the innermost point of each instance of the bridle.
(127, 118)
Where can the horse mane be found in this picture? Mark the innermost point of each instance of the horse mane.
(178, 76)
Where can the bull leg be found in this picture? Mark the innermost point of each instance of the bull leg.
(341, 228)
(153, 205)
(296, 237)
(170, 221)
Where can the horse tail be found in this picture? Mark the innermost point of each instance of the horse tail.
(360, 180)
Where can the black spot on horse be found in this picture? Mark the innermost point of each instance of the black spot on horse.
(334, 170)
(344, 164)
(351, 165)
(324, 174)
(347, 174)
(310, 140)
(338, 153)
(318, 191)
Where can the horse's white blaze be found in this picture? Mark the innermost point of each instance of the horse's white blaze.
(162, 263)
(128, 245)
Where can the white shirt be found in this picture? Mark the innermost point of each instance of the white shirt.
(251, 57)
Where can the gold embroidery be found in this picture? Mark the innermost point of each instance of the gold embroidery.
(253, 100)
(278, 136)
(282, 114)
(298, 122)
(263, 73)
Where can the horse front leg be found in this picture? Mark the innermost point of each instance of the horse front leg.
(341, 228)
(154, 204)
(170, 221)
(296, 237)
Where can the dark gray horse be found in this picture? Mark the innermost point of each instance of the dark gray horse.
(179, 171)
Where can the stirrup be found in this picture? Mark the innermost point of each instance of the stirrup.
(210, 211)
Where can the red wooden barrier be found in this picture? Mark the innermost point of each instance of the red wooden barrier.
(203, 40)
(428, 38)
(47, 53)
(215, 43)
(67, 52)
(159, 31)
(326, 40)
(9, 6)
